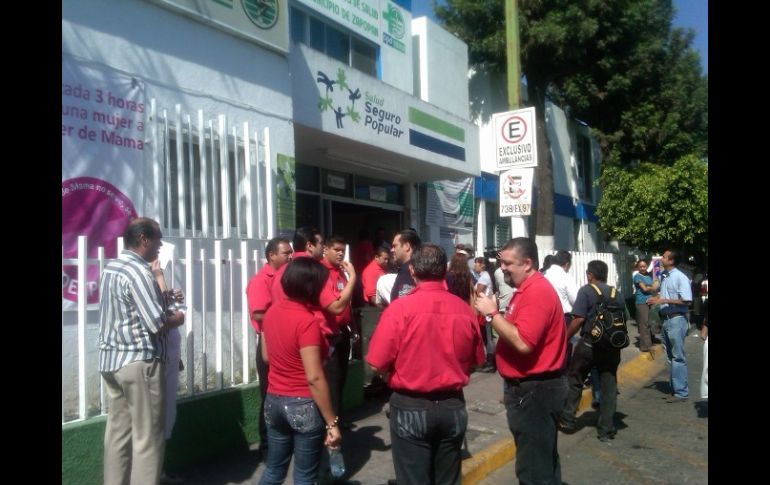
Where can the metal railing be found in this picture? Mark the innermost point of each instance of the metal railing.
(218, 344)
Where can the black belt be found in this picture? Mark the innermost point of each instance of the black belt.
(669, 316)
(433, 395)
(545, 376)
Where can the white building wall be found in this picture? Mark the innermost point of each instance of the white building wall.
(397, 65)
(564, 234)
(562, 138)
(443, 67)
(183, 61)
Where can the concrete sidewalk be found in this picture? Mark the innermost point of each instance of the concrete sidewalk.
(489, 444)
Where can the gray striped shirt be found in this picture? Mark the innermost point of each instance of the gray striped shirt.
(130, 314)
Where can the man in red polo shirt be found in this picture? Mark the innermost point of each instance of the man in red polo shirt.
(372, 273)
(530, 354)
(259, 297)
(308, 243)
(335, 305)
(428, 342)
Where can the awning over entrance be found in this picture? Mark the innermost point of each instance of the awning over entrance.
(348, 121)
(325, 150)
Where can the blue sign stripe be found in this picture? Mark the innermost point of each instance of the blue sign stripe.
(564, 205)
(435, 145)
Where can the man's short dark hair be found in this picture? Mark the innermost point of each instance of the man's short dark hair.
(334, 239)
(598, 269)
(526, 248)
(381, 249)
(429, 263)
(410, 236)
(676, 256)
(272, 246)
(304, 279)
(142, 226)
(562, 257)
(304, 235)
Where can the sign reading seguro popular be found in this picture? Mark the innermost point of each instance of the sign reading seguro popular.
(516, 192)
(515, 139)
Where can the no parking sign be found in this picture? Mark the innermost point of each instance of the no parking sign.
(515, 140)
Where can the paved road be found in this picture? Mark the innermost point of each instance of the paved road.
(657, 442)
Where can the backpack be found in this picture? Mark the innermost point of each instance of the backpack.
(608, 328)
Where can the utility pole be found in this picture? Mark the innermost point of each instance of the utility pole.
(519, 225)
(512, 52)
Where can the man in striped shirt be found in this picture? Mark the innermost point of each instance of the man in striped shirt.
(132, 348)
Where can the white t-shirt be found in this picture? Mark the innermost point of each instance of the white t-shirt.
(484, 279)
(564, 285)
(384, 286)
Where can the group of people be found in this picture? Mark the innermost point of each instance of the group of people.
(435, 330)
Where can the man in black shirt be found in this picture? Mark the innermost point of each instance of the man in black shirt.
(405, 243)
(587, 355)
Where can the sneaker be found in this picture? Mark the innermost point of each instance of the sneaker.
(605, 439)
(170, 479)
(674, 399)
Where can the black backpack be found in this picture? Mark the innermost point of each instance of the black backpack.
(608, 328)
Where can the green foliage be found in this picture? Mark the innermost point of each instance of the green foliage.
(654, 206)
(618, 66)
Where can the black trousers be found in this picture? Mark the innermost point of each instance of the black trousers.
(262, 368)
(426, 439)
(606, 361)
(336, 368)
(532, 409)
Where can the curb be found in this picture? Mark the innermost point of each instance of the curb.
(634, 372)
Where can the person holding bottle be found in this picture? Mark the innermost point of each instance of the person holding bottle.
(298, 407)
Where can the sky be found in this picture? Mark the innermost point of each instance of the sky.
(690, 14)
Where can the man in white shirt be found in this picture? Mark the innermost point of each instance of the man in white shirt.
(562, 282)
(566, 288)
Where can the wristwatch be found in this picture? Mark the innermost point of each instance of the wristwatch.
(489, 316)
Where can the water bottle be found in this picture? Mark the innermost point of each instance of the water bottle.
(336, 463)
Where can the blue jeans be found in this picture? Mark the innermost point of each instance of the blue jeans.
(294, 426)
(674, 333)
(533, 409)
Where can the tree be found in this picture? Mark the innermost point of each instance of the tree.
(618, 66)
(655, 206)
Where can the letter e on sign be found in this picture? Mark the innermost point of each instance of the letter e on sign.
(514, 129)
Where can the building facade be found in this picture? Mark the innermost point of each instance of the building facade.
(207, 114)
(576, 163)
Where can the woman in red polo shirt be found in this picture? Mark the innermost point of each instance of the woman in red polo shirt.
(298, 409)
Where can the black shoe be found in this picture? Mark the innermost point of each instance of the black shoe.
(567, 428)
(488, 368)
(605, 439)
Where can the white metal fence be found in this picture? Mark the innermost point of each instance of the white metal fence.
(212, 181)
(218, 348)
(212, 178)
(580, 262)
